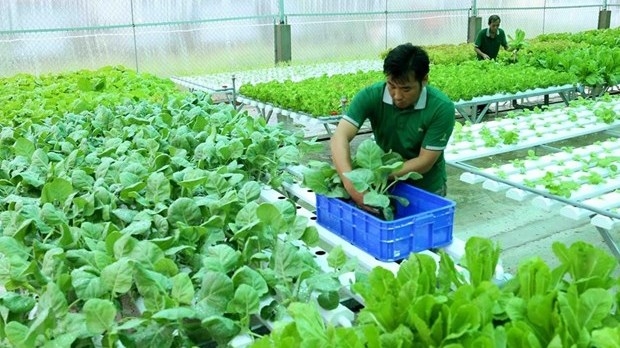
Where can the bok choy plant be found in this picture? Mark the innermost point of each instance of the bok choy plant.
(372, 169)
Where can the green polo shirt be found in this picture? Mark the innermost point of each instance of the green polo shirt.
(428, 124)
(490, 45)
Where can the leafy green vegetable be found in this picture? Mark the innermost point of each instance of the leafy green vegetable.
(517, 42)
(27, 97)
(372, 174)
(140, 224)
(481, 259)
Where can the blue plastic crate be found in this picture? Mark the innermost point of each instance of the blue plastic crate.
(427, 222)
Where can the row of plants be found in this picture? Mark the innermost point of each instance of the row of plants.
(590, 59)
(601, 37)
(598, 172)
(282, 72)
(542, 44)
(141, 225)
(439, 55)
(26, 97)
(429, 304)
(321, 96)
(570, 173)
(523, 126)
(597, 67)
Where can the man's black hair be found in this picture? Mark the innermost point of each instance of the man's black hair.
(494, 18)
(404, 59)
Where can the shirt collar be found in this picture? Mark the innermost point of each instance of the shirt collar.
(419, 105)
(489, 32)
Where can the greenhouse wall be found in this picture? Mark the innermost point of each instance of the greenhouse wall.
(189, 37)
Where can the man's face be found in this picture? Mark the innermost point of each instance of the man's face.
(493, 26)
(404, 93)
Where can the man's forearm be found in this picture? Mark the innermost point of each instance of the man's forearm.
(418, 165)
(341, 155)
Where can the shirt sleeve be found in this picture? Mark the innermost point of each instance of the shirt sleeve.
(478, 41)
(504, 42)
(440, 129)
(359, 108)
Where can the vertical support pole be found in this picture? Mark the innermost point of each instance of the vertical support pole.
(474, 23)
(135, 40)
(281, 12)
(386, 25)
(282, 37)
(604, 19)
(234, 89)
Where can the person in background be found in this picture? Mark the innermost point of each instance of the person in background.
(489, 40)
(407, 116)
(487, 44)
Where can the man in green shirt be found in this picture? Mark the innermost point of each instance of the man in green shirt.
(406, 115)
(488, 42)
(490, 39)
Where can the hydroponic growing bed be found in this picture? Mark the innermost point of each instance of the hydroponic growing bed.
(582, 182)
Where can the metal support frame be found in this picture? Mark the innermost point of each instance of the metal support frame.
(230, 92)
(468, 109)
(611, 244)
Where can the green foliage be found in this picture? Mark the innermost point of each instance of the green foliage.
(372, 174)
(591, 58)
(450, 54)
(26, 97)
(481, 257)
(140, 224)
(517, 42)
(320, 96)
(606, 114)
(384, 53)
(430, 304)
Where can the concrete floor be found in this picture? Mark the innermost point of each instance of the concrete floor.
(521, 229)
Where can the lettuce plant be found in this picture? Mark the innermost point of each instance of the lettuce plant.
(517, 42)
(430, 304)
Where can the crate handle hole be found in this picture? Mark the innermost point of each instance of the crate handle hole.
(320, 252)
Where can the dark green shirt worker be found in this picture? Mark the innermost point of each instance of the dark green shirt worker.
(406, 115)
(489, 40)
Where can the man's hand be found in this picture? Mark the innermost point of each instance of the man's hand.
(485, 56)
(358, 198)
